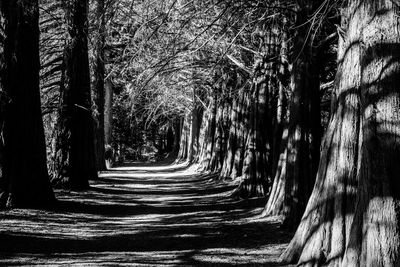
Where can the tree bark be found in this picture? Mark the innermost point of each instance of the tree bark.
(352, 216)
(209, 133)
(231, 143)
(75, 159)
(98, 84)
(108, 112)
(241, 133)
(374, 238)
(300, 152)
(177, 135)
(184, 139)
(254, 179)
(219, 138)
(24, 181)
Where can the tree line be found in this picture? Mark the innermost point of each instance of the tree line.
(294, 101)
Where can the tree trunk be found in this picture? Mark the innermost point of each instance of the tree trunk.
(24, 180)
(193, 145)
(300, 150)
(185, 137)
(275, 204)
(241, 133)
(217, 152)
(231, 143)
(177, 135)
(254, 180)
(375, 232)
(75, 158)
(3, 102)
(108, 112)
(98, 84)
(352, 217)
(209, 134)
(281, 106)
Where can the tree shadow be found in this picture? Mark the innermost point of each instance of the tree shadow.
(140, 222)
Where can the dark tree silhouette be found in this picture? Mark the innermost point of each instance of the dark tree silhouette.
(98, 84)
(24, 180)
(75, 158)
(299, 154)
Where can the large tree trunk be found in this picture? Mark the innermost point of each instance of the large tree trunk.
(257, 120)
(24, 180)
(300, 154)
(98, 84)
(375, 232)
(283, 78)
(217, 147)
(241, 133)
(75, 159)
(220, 137)
(254, 180)
(275, 204)
(353, 211)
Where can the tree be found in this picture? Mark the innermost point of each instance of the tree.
(24, 180)
(352, 217)
(75, 158)
(300, 143)
(99, 84)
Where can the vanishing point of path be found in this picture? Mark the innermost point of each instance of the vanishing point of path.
(144, 216)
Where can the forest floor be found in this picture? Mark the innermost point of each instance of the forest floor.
(144, 216)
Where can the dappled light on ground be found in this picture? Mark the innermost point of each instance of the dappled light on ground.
(144, 215)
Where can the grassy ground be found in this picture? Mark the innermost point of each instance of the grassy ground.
(144, 215)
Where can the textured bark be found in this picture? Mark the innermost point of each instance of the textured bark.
(300, 153)
(276, 199)
(108, 112)
(352, 216)
(98, 84)
(323, 232)
(3, 99)
(375, 232)
(260, 124)
(24, 180)
(184, 139)
(75, 159)
(281, 114)
(209, 133)
(177, 135)
(254, 180)
(231, 143)
(241, 133)
(215, 162)
(222, 122)
(193, 146)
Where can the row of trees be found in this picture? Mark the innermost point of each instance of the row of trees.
(24, 177)
(244, 87)
(262, 127)
(262, 124)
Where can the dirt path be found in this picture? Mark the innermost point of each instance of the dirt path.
(165, 215)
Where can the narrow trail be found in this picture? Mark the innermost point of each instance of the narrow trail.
(144, 215)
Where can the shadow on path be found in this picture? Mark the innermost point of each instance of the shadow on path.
(144, 215)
